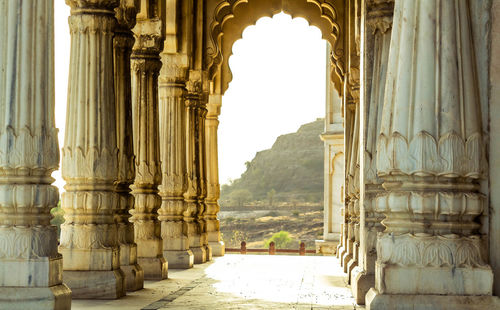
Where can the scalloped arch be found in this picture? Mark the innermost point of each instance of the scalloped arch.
(231, 17)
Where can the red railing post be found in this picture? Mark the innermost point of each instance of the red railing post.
(302, 249)
(272, 248)
(243, 247)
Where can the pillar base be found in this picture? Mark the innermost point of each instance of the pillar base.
(218, 248)
(376, 301)
(134, 277)
(183, 259)
(208, 252)
(200, 255)
(345, 259)
(361, 284)
(39, 298)
(155, 268)
(95, 284)
(326, 247)
(353, 263)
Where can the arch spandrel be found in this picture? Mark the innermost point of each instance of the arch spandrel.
(231, 17)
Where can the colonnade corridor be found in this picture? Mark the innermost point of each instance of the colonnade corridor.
(412, 158)
(243, 282)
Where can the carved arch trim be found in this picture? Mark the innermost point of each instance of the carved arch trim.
(231, 17)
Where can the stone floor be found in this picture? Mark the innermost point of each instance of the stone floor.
(243, 282)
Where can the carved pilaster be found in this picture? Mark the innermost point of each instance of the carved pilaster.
(123, 42)
(30, 264)
(174, 211)
(146, 65)
(378, 20)
(212, 166)
(89, 240)
(430, 156)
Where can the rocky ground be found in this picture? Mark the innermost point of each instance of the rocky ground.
(255, 227)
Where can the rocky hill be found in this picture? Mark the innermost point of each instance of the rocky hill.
(291, 171)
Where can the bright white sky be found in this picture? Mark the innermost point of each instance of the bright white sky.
(278, 84)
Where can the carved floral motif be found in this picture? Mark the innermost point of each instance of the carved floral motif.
(425, 250)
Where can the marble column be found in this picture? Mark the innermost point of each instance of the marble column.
(89, 239)
(123, 42)
(212, 166)
(377, 38)
(431, 157)
(174, 228)
(146, 65)
(30, 265)
(194, 224)
(201, 165)
(353, 186)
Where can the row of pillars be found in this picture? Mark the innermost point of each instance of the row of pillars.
(139, 157)
(411, 234)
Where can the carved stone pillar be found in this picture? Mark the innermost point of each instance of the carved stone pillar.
(123, 42)
(146, 65)
(201, 165)
(350, 258)
(192, 195)
(377, 38)
(174, 230)
(89, 240)
(353, 187)
(30, 265)
(431, 156)
(213, 186)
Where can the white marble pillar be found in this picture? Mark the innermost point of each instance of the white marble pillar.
(378, 23)
(123, 42)
(191, 196)
(89, 240)
(146, 65)
(431, 156)
(174, 211)
(30, 265)
(212, 166)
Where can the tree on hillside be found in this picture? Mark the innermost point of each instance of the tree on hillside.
(241, 196)
(270, 196)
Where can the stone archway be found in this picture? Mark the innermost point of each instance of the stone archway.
(231, 17)
(332, 17)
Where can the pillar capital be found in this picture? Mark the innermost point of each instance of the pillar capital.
(92, 6)
(148, 37)
(380, 14)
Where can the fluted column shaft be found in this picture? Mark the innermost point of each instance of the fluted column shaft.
(90, 156)
(123, 42)
(212, 166)
(174, 211)
(30, 264)
(146, 65)
(430, 156)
